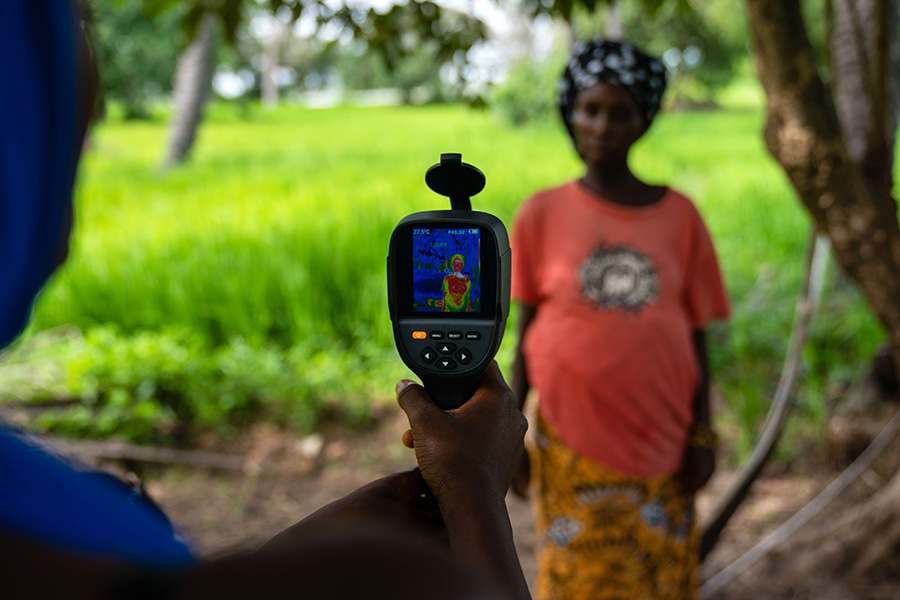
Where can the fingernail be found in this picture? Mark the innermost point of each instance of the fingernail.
(402, 385)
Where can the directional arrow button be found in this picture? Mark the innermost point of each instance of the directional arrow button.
(464, 356)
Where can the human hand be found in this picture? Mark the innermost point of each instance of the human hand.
(522, 477)
(699, 465)
(393, 502)
(473, 449)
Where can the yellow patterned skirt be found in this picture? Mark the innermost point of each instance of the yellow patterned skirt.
(602, 535)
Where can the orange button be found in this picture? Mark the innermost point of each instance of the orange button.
(419, 335)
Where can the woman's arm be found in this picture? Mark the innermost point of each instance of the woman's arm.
(520, 385)
(699, 454)
(520, 388)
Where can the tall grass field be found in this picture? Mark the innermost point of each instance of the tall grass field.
(250, 283)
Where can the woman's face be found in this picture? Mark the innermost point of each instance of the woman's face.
(457, 265)
(606, 121)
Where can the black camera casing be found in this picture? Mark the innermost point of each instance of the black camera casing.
(450, 351)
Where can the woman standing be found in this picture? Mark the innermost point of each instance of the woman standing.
(616, 281)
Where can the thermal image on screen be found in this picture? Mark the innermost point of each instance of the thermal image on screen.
(447, 270)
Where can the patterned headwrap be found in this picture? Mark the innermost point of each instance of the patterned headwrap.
(613, 62)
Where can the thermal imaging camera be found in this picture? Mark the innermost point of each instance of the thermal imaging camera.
(448, 286)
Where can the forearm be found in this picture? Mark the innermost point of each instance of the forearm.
(27, 563)
(480, 533)
(520, 384)
(700, 406)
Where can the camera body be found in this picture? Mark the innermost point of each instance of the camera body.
(449, 295)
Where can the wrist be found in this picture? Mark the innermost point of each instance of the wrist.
(477, 527)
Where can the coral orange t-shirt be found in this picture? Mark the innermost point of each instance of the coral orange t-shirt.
(619, 291)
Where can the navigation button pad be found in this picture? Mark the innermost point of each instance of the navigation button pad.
(446, 349)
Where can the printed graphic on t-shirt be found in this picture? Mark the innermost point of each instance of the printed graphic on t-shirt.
(618, 277)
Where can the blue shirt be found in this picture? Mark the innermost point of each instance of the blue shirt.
(44, 497)
(40, 495)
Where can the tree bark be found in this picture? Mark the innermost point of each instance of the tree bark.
(836, 146)
(804, 133)
(193, 80)
(614, 27)
(864, 56)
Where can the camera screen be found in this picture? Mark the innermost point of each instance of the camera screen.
(447, 270)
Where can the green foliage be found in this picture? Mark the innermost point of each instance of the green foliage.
(529, 92)
(709, 41)
(710, 31)
(250, 284)
(402, 30)
(137, 54)
(167, 386)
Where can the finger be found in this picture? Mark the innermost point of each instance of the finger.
(408, 438)
(493, 386)
(492, 377)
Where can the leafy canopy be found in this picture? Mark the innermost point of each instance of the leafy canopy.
(394, 33)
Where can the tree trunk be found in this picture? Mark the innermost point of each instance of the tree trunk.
(804, 133)
(614, 27)
(193, 80)
(837, 151)
(864, 64)
(268, 85)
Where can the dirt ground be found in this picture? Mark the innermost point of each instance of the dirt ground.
(286, 478)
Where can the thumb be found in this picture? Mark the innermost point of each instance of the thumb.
(416, 403)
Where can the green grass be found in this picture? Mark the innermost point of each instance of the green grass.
(259, 265)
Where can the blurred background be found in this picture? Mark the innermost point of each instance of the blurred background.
(238, 192)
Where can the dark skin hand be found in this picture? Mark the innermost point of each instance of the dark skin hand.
(395, 502)
(467, 457)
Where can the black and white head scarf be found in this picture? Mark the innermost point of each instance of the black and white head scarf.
(617, 63)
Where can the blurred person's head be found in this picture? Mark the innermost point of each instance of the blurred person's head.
(46, 108)
(609, 94)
